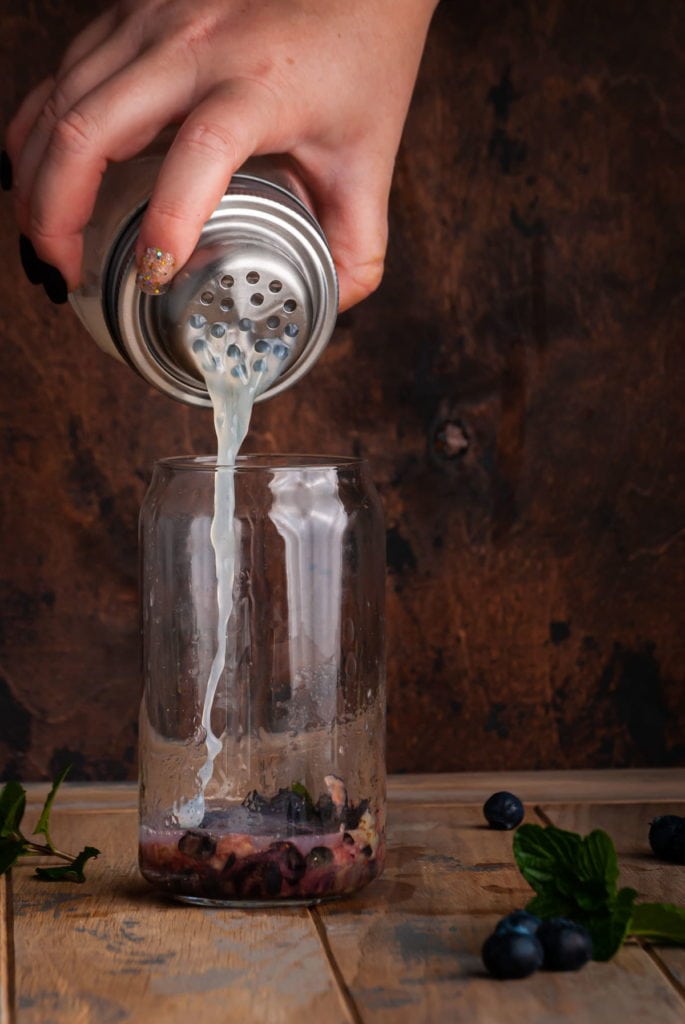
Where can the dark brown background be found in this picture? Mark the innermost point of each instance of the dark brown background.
(517, 383)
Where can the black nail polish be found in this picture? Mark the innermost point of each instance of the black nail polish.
(5, 171)
(30, 261)
(54, 284)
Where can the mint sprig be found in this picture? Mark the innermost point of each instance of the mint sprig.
(14, 844)
(576, 876)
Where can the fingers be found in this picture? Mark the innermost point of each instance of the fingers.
(92, 36)
(230, 125)
(353, 214)
(82, 77)
(114, 121)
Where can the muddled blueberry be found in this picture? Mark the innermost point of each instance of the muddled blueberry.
(367, 850)
(518, 921)
(347, 839)
(292, 806)
(512, 955)
(351, 816)
(197, 845)
(290, 861)
(255, 802)
(272, 878)
(319, 856)
(667, 838)
(503, 811)
(566, 945)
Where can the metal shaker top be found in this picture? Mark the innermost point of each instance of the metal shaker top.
(261, 282)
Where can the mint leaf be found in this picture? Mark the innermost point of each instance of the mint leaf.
(661, 922)
(609, 927)
(301, 790)
(598, 861)
(72, 872)
(547, 858)
(10, 850)
(12, 805)
(43, 826)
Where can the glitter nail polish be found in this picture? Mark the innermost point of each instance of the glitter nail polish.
(155, 270)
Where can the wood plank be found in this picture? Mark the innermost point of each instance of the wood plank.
(6, 951)
(408, 947)
(607, 785)
(111, 951)
(403, 967)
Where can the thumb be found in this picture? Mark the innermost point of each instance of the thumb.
(353, 213)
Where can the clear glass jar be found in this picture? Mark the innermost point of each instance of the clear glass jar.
(262, 728)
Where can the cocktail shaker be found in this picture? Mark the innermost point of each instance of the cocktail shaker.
(261, 278)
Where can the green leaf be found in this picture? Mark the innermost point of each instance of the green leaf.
(547, 857)
(550, 905)
(10, 850)
(609, 929)
(12, 805)
(598, 861)
(301, 790)
(662, 922)
(72, 872)
(43, 826)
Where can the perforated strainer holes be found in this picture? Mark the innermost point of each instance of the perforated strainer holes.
(197, 320)
(257, 299)
(245, 324)
(206, 298)
(240, 372)
(289, 305)
(275, 286)
(259, 365)
(273, 322)
(217, 330)
(262, 345)
(234, 352)
(198, 345)
(227, 281)
(291, 330)
(226, 305)
(252, 277)
(281, 351)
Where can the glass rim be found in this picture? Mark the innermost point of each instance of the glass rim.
(264, 461)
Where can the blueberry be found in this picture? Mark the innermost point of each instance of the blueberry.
(519, 921)
(567, 945)
(512, 955)
(667, 838)
(503, 811)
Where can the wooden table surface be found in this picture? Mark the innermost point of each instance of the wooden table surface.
(407, 949)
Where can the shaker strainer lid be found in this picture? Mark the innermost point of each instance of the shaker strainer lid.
(261, 284)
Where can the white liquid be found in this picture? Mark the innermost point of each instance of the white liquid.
(308, 514)
(232, 395)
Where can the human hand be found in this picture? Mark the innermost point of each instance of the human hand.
(327, 83)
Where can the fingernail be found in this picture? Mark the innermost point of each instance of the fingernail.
(155, 270)
(34, 268)
(5, 171)
(55, 285)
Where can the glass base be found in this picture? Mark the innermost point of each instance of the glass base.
(203, 901)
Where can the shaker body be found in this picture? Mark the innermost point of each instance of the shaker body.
(263, 230)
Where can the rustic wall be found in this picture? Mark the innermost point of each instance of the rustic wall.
(517, 383)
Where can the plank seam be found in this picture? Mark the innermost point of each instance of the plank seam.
(662, 967)
(343, 990)
(7, 974)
